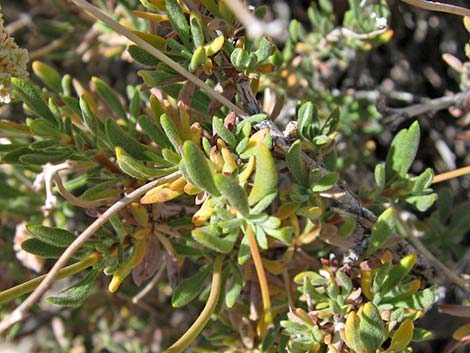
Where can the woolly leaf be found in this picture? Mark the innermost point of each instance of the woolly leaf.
(37, 247)
(382, 229)
(402, 151)
(76, 294)
(178, 21)
(189, 288)
(110, 97)
(31, 96)
(198, 169)
(208, 238)
(233, 192)
(52, 236)
(295, 163)
(371, 328)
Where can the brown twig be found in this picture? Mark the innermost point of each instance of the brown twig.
(19, 313)
(439, 7)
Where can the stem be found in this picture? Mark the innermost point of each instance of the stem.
(450, 175)
(27, 287)
(439, 7)
(97, 13)
(263, 282)
(19, 313)
(190, 335)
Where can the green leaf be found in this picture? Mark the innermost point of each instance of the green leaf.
(110, 97)
(207, 237)
(142, 56)
(91, 120)
(379, 176)
(296, 164)
(418, 301)
(238, 282)
(305, 120)
(43, 127)
(120, 138)
(423, 181)
(241, 59)
(37, 247)
(178, 21)
(264, 203)
(154, 131)
(420, 335)
(189, 288)
(198, 168)
(398, 272)
(137, 169)
(224, 133)
(423, 202)
(76, 294)
(382, 229)
(265, 180)
(371, 328)
(52, 236)
(31, 96)
(265, 49)
(402, 151)
(48, 75)
(171, 131)
(326, 182)
(233, 192)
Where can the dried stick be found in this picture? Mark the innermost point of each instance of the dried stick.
(439, 7)
(20, 312)
(98, 14)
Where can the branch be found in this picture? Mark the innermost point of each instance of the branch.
(439, 7)
(20, 312)
(190, 335)
(396, 116)
(98, 14)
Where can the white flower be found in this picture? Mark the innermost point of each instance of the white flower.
(13, 61)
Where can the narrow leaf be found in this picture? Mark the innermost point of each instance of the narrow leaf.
(198, 169)
(265, 177)
(178, 21)
(190, 287)
(53, 236)
(31, 96)
(76, 294)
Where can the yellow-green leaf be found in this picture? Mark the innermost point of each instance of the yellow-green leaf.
(265, 177)
(402, 336)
